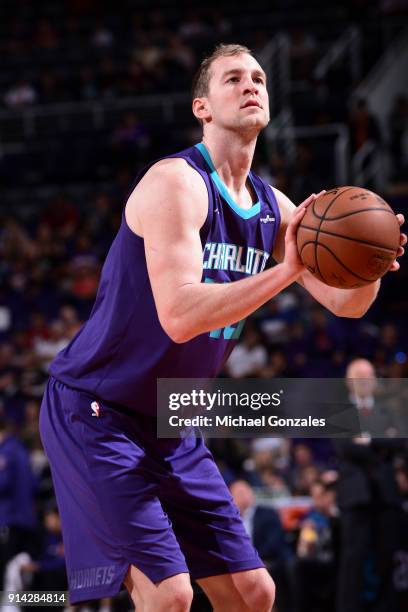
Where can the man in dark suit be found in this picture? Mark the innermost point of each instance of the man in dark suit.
(367, 496)
(265, 529)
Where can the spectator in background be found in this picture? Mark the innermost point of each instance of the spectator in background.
(70, 320)
(36, 330)
(84, 276)
(29, 433)
(374, 417)
(271, 452)
(17, 487)
(272, 322)
(46, 349)
(273, 482)
(265, 530)
(248, 357)
(317, 552)
(43, 569)
(369, 501)
(304, 471)
(48, 566)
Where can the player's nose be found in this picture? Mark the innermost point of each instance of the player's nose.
(250, 86)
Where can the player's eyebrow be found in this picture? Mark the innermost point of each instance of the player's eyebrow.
(255, 72)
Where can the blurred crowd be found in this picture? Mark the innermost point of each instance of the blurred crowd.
(156, 50)
(85, 52)
(149, 51)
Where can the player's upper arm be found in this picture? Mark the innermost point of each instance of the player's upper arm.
(286, 208)
(167, 209)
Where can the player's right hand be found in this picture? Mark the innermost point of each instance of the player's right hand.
(292, 258)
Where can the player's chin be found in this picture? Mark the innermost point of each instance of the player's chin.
(256, 121)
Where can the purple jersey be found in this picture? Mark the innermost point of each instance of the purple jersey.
(122, 350)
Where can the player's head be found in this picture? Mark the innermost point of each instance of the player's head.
(229, 91)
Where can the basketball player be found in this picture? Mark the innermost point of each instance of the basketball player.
(135, 509)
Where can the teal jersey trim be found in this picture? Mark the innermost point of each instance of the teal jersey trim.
(242, 212)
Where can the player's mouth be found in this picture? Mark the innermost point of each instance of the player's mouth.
(251, 103)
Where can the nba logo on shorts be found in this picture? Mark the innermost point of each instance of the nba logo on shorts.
(95, 409)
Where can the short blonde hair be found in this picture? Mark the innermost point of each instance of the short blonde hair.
(202, 77)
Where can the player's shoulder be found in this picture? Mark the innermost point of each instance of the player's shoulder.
(175, 173)
(169, 180)
(168, 189)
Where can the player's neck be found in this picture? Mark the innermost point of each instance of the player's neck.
(232, 158)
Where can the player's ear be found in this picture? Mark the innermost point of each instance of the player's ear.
(201, 109)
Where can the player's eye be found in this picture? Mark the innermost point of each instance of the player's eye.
(258, 80)
(233, 79)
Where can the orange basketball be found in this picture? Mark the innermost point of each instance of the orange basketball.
(349, 237)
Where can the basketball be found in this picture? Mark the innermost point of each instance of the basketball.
(348, 237)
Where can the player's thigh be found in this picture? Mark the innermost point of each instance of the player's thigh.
(174, 593)
(198, 502)
(247, 591)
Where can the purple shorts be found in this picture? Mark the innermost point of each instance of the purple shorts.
(126, 497)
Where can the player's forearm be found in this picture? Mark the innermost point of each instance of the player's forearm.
(202, 307)
(352, 303)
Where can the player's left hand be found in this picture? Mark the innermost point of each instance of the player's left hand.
(403, 241)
